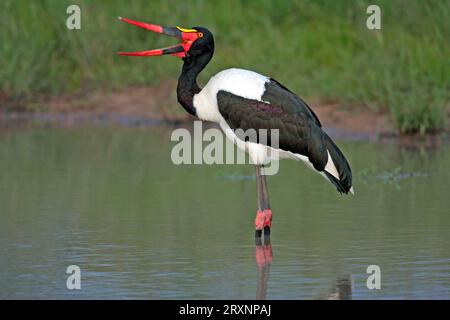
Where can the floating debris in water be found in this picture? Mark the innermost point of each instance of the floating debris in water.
(235, 176)
(393, 175)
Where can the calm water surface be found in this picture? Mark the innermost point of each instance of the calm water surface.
(110, 201)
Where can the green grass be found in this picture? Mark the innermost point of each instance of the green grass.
(319, 49)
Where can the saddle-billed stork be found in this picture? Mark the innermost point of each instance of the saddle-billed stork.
(243, 99)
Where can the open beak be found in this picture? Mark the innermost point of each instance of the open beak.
(187, 37)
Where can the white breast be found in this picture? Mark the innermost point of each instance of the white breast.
(243, 83)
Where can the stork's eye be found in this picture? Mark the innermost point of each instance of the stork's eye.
(200, 34)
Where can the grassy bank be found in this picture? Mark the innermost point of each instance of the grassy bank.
(319, 49)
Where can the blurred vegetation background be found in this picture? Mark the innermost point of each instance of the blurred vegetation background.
(319, 49)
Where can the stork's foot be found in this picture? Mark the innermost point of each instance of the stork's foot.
(263, 221)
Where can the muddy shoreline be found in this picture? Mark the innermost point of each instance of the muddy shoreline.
(157, 105)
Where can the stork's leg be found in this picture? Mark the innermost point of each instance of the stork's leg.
(259, 219)
(267, 210)
(263, 220)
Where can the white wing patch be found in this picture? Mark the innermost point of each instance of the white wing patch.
(331, 168)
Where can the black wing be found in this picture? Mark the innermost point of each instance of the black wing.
(278, 94)
(299, 128)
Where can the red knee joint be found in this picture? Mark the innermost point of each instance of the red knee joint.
(267, 218)
(259, 220)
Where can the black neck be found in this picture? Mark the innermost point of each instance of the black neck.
(187, 82)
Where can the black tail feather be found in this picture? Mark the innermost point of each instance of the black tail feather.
(338, 184)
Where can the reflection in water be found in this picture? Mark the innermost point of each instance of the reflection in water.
(110, 200)
(263, 256)
(342, 289)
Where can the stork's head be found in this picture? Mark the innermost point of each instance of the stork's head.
(195, 42)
